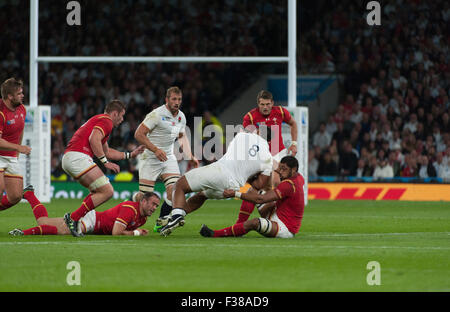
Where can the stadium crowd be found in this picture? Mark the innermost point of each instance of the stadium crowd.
(393, 119)
(77, 91)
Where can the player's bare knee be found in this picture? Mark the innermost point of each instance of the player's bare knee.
(182, 186)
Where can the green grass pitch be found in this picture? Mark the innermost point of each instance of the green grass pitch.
(409, 240)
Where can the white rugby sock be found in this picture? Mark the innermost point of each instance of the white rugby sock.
(178, 211)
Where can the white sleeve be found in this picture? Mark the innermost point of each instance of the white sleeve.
(266, 161)
(151, 120)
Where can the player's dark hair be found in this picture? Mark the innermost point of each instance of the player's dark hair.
(10, 86)
(290, 161)
(115, 105)
(266, 95)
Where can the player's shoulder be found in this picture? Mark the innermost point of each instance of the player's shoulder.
(134, 206)
(290, 183)
(253, 113)
(155, 113)
(102, 117)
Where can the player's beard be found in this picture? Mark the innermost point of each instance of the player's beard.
(16, 103)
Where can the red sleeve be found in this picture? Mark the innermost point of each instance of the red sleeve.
(285, 189)
(2, 122)
(105, 126)
(248, 120)
(286, 115)
(127, 213)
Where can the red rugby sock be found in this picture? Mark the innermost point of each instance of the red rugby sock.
(235, 230)
(39, 210)
(245, 211)
(5, 204)
(85, 207)
(42, 230)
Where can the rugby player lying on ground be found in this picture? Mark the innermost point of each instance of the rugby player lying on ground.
(123, 219)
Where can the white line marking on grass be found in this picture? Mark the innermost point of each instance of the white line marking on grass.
(112, 242)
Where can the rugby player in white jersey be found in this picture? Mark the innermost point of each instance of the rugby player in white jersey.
(248, 155)
(158, 132)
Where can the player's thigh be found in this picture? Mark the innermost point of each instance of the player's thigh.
(169, 180)
(77, 165)
(95, 181)
(150, 170)
(280, 230)
(207, 177)
(13, 187)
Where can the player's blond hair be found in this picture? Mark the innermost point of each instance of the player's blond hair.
(171, 90)
(10, 86)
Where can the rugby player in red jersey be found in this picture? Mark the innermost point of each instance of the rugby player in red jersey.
(281, 216)
(12, 123)
(124, 219)
(273, 117)
(90, 140)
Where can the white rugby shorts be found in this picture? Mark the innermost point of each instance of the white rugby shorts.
(76, 164)
(10, 166)
(152, 168)
(283, 231)
(87, 223)
(211, 179)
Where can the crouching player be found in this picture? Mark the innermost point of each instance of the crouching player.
(123, 219)
(281, 209)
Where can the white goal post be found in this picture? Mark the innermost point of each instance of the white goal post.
(291, 59)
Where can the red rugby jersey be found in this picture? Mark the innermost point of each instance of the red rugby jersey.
(127, 213)
(11, 126)
(277, 116)
(290, 204)
(80, 140)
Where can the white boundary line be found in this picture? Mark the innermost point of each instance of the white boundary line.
(209, 245)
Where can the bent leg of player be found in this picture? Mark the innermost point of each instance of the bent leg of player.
(169, 181)
(179, 203)
(83, 169)
(11, 181)
(281, 230)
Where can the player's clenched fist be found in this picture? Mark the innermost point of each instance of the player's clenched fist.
(23, 149)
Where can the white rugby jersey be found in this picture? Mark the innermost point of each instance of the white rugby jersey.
(164, 129)
(247, 154)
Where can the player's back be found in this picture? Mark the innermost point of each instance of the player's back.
(80, 140)
(247, 154)
(127, 213)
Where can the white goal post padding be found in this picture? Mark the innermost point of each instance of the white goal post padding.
(36, 167)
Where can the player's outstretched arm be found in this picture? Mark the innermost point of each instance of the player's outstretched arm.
(120, 229)
(253, 196)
